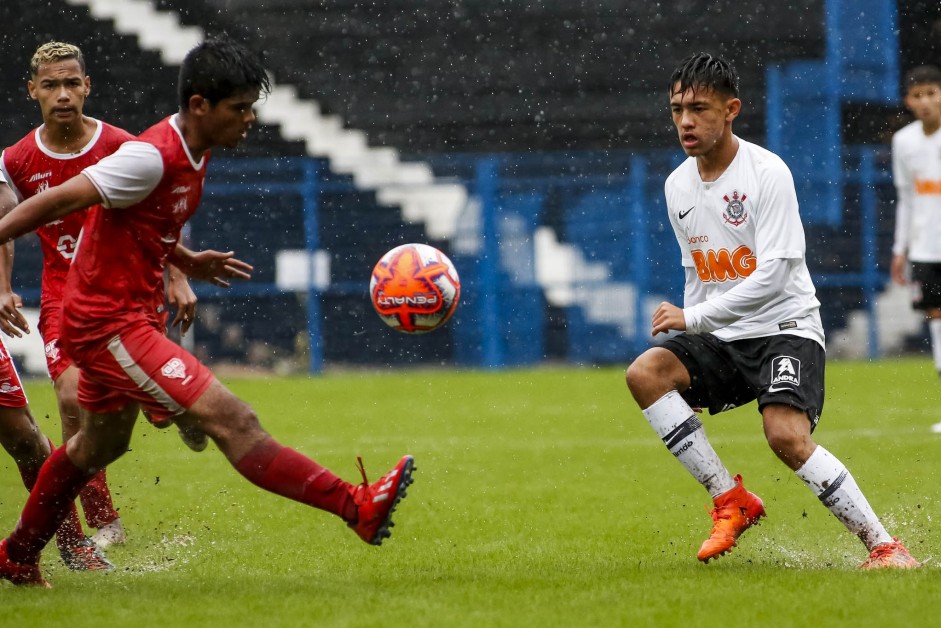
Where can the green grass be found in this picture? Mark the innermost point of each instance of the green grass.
(542, 498)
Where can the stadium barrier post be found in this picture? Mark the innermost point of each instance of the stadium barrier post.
(311, 188)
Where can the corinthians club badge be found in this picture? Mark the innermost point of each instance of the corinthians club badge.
(735, 213)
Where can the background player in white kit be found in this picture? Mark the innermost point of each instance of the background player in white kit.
(751, 319)
(916, 170)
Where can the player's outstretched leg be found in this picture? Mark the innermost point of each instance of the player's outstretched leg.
(366, 508)
(735, 511)
(234, 428)
(376, 502)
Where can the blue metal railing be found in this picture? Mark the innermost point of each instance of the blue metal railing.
(503, 317)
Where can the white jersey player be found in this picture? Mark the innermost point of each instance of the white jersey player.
(751, 321)
(716, 224)
(916, 171)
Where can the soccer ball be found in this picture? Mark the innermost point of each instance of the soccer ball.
(414, 288)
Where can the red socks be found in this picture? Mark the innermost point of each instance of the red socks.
(285, 472)
(96, 501)
(50, 502)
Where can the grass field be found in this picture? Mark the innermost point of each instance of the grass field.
(542, 498)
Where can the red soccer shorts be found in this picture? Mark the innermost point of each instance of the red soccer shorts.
(12, 394)
(140, 365)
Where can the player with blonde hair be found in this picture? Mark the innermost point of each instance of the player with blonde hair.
(66, 143)
(142, 195)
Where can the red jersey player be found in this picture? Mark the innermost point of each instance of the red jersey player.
(64, 145)
(27, 445)
(142, 196)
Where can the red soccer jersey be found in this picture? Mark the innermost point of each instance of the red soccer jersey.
(30, 167)
(150, 189)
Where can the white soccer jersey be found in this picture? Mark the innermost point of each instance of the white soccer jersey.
(730, 228)
(916, 169)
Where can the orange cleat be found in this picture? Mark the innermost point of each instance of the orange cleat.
(735, 511)
(18, 573)
(890, 556)
(376, 502)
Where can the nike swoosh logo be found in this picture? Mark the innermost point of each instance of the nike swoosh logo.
(772, 389)
(683, 215)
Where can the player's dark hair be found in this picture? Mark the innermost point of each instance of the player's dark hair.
(703, 70)
(922, 75)
(219, 68)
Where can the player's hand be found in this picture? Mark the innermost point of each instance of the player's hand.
(181, 297)
(667, 318)
(12, 321)
(899, 266)
(217, 268)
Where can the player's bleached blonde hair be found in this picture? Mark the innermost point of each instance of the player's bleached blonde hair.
(53, 52)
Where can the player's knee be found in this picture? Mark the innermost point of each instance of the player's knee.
(245, 419)
(238, 422)
(791, 447)
(22, 439)
(638, 375)
(29, 452)
(649, 377)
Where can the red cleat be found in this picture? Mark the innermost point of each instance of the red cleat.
(18, 573)
(735, 511)
(376, 502)
(85, 555)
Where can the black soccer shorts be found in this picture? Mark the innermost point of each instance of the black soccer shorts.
(782, 369)
(926, 285)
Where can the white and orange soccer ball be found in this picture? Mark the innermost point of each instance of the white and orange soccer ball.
(415, 288)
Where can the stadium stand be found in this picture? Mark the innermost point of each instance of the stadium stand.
(488, 75)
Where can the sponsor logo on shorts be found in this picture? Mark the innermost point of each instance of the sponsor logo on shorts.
(8, 389)
(785, 373)
(52, 350)
(175, 369)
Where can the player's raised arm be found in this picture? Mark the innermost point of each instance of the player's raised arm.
(76, 193)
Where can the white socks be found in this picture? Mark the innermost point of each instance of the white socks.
(682, 432)
(826, 476)
(934, 329)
